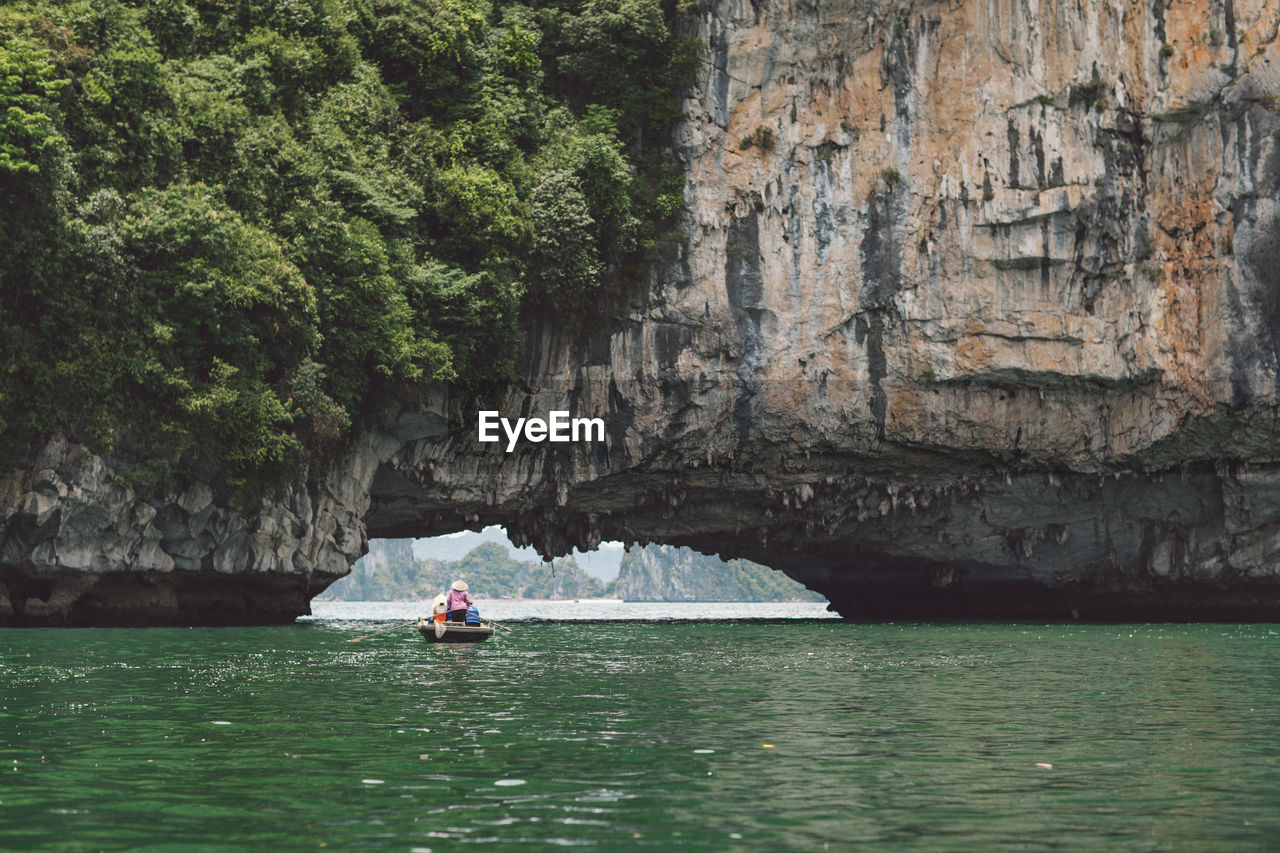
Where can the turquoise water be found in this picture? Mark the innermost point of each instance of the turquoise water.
(709, 735)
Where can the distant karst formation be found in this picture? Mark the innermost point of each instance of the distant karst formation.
(978, 313)
(391, 572)
(665, 573)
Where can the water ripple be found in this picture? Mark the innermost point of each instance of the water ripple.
(703, 736)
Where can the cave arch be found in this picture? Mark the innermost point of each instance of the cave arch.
(892, 532)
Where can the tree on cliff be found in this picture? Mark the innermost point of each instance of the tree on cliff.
(236, 232)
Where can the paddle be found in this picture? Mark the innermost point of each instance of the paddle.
(383, 631)
(506, 628)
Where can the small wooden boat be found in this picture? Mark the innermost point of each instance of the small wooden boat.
(454, 632)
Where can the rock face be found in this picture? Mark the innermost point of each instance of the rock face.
(979, 313)
(80, 546)
(977, 316)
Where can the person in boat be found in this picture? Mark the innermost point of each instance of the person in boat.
(458, 602)
(439, 608)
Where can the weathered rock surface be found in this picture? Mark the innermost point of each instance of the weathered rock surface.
(80, 546)
(979, 313)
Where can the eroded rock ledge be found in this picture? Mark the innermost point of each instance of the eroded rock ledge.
(979, 314)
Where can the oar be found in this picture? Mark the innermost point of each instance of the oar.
(506, 628)
(383, 631)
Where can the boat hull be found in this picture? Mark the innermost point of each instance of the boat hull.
(454, 632)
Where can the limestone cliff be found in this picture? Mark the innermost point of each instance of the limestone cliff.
(979, 313)
(79, 545)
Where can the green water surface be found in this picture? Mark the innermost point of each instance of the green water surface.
(754, 735)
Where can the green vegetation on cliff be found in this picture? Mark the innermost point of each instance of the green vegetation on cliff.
(235, 230)
(390, 572)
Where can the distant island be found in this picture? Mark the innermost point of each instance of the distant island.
(667, 573)
(392, 572)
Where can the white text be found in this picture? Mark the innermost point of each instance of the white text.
(557, 427)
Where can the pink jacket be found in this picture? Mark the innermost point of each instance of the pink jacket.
(458, 599)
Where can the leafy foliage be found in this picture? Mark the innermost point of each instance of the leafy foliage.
(236, 232)
(27, 86)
